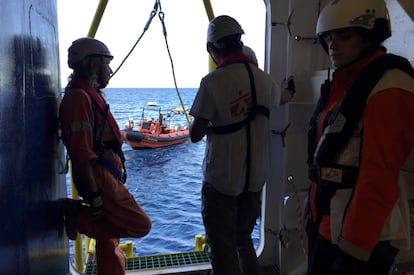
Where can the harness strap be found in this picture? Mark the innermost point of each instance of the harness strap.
(325, 92)
(349, 111)
(112, 169)
(337, 177)
(234, 127)
(323, 170)
(252, 115)
(254, 110)
(99, 147)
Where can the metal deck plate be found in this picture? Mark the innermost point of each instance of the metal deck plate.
(156, 261)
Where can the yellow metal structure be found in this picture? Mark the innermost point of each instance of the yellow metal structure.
(210, 15)
(97, 18)
(209, 9)
(200, 243)
(127, 247)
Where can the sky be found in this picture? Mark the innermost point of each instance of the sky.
(149, 65)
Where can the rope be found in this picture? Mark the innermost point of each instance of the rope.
(152, 14)
(161, 16)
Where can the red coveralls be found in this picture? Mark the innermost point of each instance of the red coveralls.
(123, 216)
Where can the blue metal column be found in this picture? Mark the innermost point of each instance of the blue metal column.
(32, 240)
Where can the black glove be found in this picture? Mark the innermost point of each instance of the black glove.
(345, 264)
(96, 204)
(291, 86)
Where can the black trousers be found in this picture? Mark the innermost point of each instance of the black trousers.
(325, 258)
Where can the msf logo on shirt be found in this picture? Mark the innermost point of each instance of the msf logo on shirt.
(241, 105)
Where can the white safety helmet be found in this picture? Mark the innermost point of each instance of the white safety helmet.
(220, 27)
(84, 47)
(371, 15)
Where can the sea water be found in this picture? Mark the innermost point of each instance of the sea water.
(165, 181)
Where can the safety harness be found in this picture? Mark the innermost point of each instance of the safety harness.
(234, 127)
(346, 115)
(99, 146)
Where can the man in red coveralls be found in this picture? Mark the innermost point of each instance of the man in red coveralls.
(93, 142)
(361, 146)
